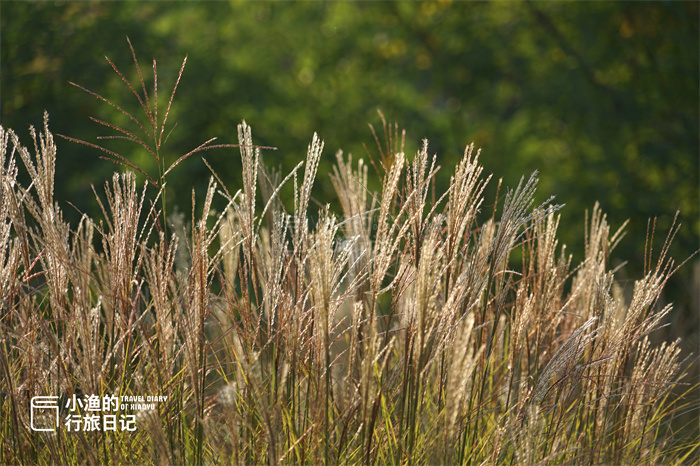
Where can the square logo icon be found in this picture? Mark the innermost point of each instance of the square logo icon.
(39, 405)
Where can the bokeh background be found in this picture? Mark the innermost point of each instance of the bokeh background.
(602, 97)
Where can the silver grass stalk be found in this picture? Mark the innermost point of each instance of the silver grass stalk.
(568, 353)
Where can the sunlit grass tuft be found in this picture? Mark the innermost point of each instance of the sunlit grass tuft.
(399, 331)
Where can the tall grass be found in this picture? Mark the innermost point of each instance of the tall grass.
(398, 330)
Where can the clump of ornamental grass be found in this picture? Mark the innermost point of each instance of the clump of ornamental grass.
(398, 330)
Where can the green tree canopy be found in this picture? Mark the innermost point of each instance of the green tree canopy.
(601, 98)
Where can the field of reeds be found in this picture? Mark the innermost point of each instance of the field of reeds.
(413, 326)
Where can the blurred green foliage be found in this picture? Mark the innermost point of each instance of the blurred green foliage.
(600, 97)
